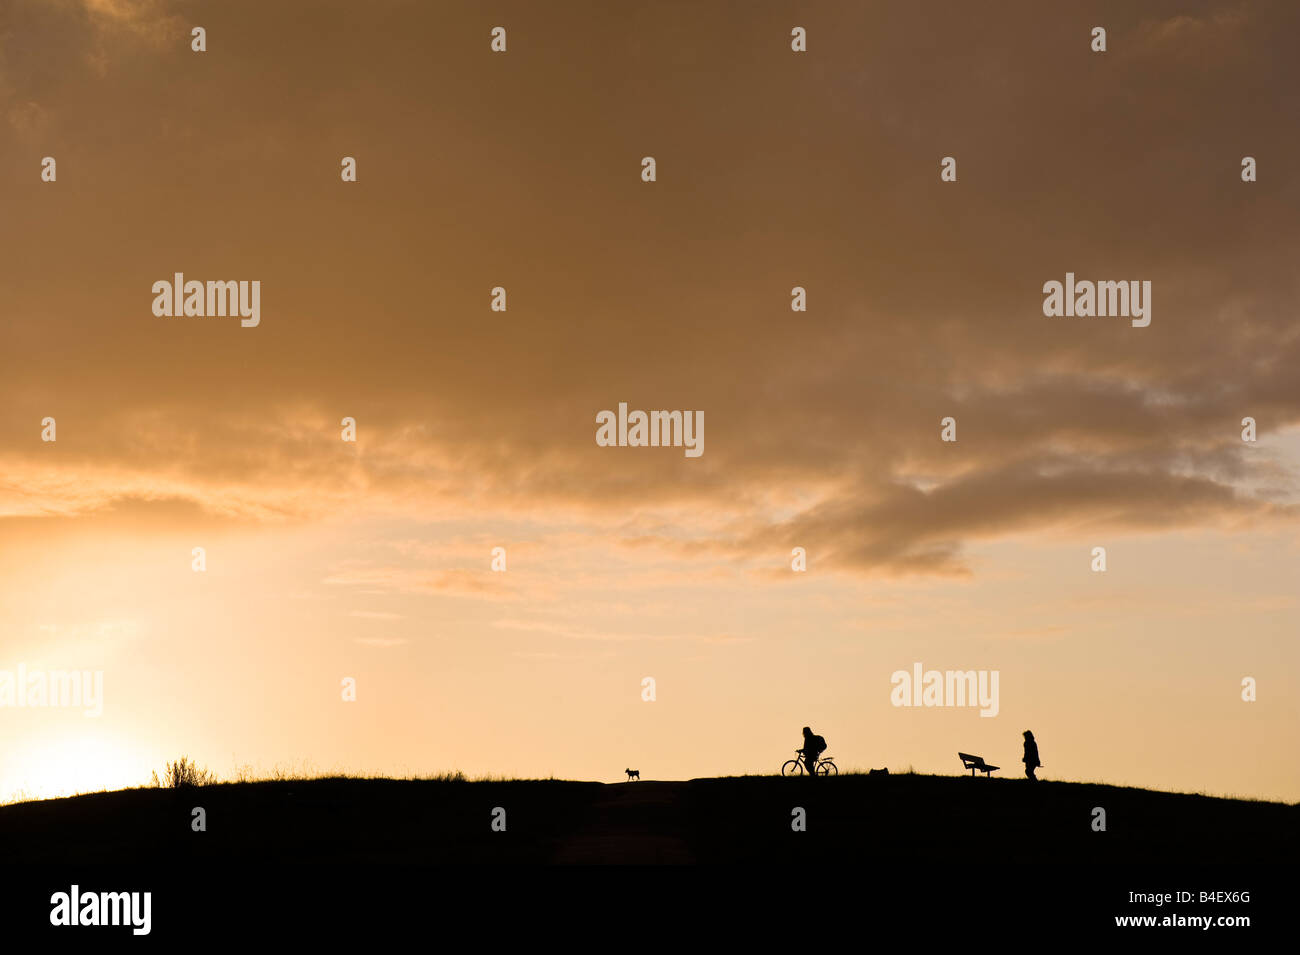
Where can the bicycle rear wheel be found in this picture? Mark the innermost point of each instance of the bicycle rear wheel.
(792, 767)
(827, 768)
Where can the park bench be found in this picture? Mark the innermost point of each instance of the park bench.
(974, 763)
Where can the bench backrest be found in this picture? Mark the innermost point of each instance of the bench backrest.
(971, 762)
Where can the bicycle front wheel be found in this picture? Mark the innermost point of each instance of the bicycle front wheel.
(827, 768)
(792, 767)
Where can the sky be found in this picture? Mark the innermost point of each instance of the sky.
(475, 429)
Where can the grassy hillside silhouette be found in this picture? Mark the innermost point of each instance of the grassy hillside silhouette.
(733, 819)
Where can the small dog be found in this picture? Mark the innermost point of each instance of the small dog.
(632, 774)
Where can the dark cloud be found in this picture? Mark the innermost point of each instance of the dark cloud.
(775, 170)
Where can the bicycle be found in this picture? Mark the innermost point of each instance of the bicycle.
(795, 767)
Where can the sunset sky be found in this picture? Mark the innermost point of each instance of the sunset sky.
(476, 429)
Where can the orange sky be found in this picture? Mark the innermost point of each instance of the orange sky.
(476, 428)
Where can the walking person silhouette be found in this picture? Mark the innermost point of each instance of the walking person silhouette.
(1030, 758)
(813, 746)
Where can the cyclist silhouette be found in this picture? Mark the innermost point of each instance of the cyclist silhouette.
(813, 746)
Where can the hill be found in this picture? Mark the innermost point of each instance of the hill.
(732, 819)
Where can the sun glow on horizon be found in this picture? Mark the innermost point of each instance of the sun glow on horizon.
(69, 764)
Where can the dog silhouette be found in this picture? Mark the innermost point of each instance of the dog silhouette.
(632, 774)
